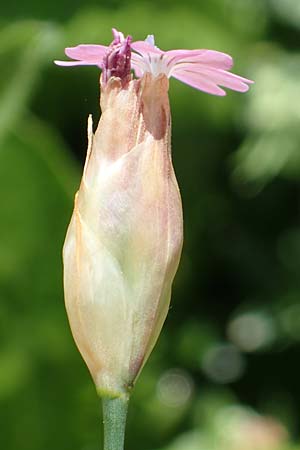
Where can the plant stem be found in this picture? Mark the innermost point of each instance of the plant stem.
(114, 421)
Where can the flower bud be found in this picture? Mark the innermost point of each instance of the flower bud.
(124, 241)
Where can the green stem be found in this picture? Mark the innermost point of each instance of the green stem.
(114, 420)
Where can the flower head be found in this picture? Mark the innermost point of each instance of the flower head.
(202, 69)
(124, 240)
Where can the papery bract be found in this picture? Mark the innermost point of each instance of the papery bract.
(124, 242)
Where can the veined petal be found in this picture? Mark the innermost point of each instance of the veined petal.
(145, 48)
(228, 79)
(87, 52)
(152, 59)
(150, 63)
(76, 63)
(211, 58)
(217, 76)
(137, 65)
(199, 81)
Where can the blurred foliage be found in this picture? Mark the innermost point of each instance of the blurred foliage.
(225, 373)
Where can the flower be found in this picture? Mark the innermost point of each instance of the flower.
(124, 241)
(205, 70)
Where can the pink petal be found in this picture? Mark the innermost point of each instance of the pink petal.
(75, 63)
(228, 79)
(208, 57)
(87, 53)
(199, 81)
(217, 76)
(144, 48)
(138, 72)
(136, 64)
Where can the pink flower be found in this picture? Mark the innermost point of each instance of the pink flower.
(202, 69)
(125, 237)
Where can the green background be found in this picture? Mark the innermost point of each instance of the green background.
(225, 372)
